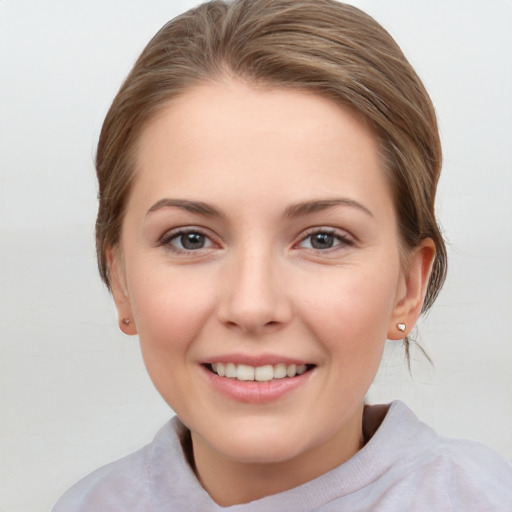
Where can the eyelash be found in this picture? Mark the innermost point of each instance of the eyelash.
(167, 239)
(341, 239)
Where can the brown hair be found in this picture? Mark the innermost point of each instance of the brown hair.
(323, 46)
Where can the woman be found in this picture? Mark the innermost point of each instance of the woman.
(267, 179)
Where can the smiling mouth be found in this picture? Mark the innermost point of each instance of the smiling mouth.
(244, 372)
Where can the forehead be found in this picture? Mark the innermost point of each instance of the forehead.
(232, 135)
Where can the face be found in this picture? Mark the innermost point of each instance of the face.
(260, 266)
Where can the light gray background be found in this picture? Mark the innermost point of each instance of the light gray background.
(74, 392)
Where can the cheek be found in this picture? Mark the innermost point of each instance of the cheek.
(169, 309)
(351, 313)
(169, 312)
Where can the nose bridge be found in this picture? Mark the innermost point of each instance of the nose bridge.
(254, 298)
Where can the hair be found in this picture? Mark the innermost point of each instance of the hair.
(323, 46)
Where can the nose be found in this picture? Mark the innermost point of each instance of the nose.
(255, 299)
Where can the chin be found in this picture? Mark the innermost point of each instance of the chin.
(263, 452)
(259, 446)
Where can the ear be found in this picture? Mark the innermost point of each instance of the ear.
(412, 290)
(120, 292)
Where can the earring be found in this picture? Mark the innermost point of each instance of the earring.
(400, 327)
(126, 321)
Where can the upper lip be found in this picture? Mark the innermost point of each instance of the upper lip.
(255, 360)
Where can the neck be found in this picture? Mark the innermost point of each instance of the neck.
(230, 482)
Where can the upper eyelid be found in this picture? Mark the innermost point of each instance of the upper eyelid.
(345, 239)
(170, 234)
(342, 233)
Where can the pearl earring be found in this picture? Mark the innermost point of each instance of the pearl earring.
(126, 321)
(400, 327)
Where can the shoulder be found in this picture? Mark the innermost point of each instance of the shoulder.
(123, 484)
(472, 474)
(460, 474)
(120, 482)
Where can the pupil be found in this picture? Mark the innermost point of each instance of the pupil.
(192, 240)
(322, 241)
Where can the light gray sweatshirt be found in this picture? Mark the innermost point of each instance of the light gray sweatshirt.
(405, 466)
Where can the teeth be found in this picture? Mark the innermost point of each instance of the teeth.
(291, 371)
(231, 370)
(221, 369)
(279, 371)
(268, 372)
(263, 373)
(245, 372)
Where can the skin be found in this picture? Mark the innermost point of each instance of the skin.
(260, 284)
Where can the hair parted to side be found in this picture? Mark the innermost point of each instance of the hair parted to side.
(322, 46)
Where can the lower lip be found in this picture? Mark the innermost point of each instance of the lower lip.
(255, 392)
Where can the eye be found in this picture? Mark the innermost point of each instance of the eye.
(186, 240)
(324, 240)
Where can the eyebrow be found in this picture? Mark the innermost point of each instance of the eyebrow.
(292, 211)
(190, 206)
(309, 207)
